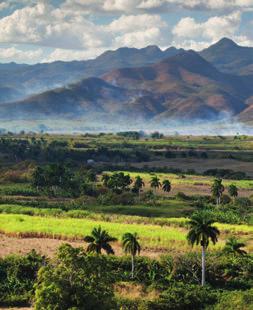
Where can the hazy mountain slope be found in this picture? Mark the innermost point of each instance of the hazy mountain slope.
(190, 86)
(91, 96)
(32, 79)
(229, 57)
(184, 86)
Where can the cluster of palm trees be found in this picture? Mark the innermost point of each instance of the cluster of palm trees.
(155, 183)
(201, 232)
(100, 240)
(122, 182)
(218, 188)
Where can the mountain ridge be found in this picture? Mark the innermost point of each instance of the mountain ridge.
(184, 86)
(154, 84)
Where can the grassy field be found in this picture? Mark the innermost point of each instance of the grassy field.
(191, 179)
(39, 214)
(152, 236)
(192, 184)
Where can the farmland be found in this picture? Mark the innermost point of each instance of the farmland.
(57, 188)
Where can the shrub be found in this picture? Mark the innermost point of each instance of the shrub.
(182, 196)
(17, 277)
(225, 199)
(243, 202)
(109, 198)
(183, 296)
(235, 300)
(74, 281)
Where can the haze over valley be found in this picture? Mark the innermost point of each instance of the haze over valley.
(161, 88)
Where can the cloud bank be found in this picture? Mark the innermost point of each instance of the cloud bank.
(82, 29)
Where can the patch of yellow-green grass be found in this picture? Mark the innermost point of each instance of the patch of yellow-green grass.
(189, 179)
(29, 226)
(151, 236)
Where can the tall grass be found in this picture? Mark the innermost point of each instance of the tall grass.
(154, 236)
(64, 228)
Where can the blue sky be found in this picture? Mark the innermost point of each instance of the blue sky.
(49, 30)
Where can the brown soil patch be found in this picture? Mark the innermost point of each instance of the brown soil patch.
(200, 165)
(46, 246)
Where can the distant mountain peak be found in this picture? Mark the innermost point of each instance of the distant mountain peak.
(189, 57)
(225, 43)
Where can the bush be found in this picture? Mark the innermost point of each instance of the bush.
(17, 278)
(223, 216)
(221, 270)
(75, 281)
(147, 271)
(235, 300)
(183, 296)
(225, 199)
(182, 196)
(243, 202)
(109, 198)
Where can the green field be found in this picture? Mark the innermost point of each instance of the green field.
(153, 236)
(190, 179)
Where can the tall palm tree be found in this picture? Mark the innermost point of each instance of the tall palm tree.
(166, 186)
(138, 184)
(217, 189)
(201, 231)
(155, 182)
(99, 240)
(233, 191)
(131, 246)
(234, 246)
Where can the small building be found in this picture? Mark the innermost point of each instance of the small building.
(91, 162)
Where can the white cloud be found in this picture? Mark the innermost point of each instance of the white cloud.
(45, 25)
(133, 6)
(68, 55)
(191, 44)
(73, 33)
(20, 56)
(137, 30)
(130, 23)
(4, 5)
(213, 29)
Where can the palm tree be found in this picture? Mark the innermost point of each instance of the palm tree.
(155, 182)
(166, 186)
(131, 246)
(138, 184)
(201, 231)
(99, 240)
(217, 190)
(234, 246)
(233, 191)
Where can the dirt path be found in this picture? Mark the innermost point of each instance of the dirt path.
(48, 247)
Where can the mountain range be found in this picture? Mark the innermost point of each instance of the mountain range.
(146, 83)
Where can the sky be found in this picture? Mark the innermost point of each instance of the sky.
(50, 30)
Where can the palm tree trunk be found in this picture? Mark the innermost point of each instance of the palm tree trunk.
(132, 272)
(203, 263)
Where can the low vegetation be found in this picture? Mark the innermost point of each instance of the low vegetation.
(153, 236)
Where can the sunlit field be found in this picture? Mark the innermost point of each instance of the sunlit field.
(151, 236)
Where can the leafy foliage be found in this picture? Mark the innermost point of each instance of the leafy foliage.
(74, 281)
